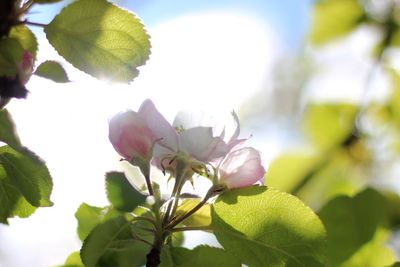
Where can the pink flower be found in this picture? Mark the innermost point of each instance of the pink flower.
(133, 134)
(241, 168)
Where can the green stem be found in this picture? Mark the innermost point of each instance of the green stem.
(178, 220)
(144, 167)
(34, 23)
(192, 228)
(179, 182)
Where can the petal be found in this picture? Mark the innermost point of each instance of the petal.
(199, 143)
(130, 136)
(241, 168)
(161, 128)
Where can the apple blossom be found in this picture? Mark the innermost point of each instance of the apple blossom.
(133, 134)
(241, 168)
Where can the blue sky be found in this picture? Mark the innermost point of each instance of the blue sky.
(289, 18)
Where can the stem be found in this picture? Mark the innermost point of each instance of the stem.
(145, 169)
(192, 228)
(178, 220)
(179, 181)
(34, 23)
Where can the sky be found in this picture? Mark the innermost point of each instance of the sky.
(208, 55)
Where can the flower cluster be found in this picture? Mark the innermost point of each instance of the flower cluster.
(145, 137)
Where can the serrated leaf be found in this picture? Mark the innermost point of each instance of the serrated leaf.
(198, 257)
(8, 133)
(265, 227)
(361, 214)
(329, 124)
(10, 55)
(12, 202)
(334, 18)
(202, 217)
(89, 217)
(52, 70)
(26, 38)
(28, 174)
(111, 244)
(100, 38)
(121, 194)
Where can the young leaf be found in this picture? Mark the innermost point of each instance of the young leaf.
(202, 217)
(198, 257)
(122, 195)
(89, 217)
(8, 134)
(28, 174)
(100, 38)
(111, 244)
(26, 38)
(10, 55)
(52, 70)
(265, 227)
(12, 202)
(362, 215)
(334, 18)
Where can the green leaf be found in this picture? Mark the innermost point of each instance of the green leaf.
(111, 244)
(26, 38)
(12, 202)
(101, 39)
(29, 175)
(89, 217)
(374, 253)
(265, 227)
(361, 214)
(198, 257)
(8, 133)
(121, 194)
(290, 168)
(10, 55)
(73, 260)
(334, 18)
(52, 70)
(202, 217)
(329, 124)
(397, 264)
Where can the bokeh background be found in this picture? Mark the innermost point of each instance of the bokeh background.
(315, 86)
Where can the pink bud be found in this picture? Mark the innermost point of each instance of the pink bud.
(241, 168)
(133, 134)
(25, 67)
(130, 136)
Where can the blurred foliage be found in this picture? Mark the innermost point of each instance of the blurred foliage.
(349, 152)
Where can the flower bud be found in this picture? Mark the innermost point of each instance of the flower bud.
(130, 135)
(241, 168)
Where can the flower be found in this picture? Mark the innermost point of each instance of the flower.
(133, 134)
(199, 142)
(241, 168)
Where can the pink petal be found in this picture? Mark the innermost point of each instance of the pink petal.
(241, 168)
(161, 128)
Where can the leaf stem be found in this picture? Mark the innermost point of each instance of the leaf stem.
(192, 228)
(34, 23)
